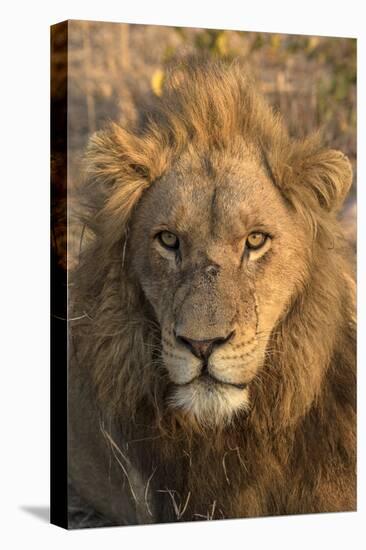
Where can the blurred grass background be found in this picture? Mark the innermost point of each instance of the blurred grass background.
(311, 80)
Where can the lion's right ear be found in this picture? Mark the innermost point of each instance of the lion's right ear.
(112, 156)
(119, 166)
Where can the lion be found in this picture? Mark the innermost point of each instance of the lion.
(212, 345)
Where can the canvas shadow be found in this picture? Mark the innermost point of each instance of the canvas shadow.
(40, 512)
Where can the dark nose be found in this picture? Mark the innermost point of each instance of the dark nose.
(203, 348)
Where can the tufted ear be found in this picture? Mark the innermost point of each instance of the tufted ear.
(119, 165)
(112, 160)
(322, 177)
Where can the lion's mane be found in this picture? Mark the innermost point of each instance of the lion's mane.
(294, 451)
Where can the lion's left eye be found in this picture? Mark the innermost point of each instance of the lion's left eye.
(256, 240)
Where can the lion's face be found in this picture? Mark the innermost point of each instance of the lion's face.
(218, 215)
(219, 256)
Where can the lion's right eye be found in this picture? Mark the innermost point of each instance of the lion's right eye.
(168, 240)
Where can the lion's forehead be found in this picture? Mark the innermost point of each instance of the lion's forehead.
(225, 205)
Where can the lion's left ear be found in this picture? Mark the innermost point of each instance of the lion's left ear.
(325, 174)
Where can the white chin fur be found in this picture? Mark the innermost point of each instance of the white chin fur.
(210, 404)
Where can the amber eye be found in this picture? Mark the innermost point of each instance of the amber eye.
(256, 240)
(169, 240)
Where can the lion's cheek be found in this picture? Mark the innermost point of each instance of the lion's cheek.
(273, 296)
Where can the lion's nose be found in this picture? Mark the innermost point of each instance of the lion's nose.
(203, 348)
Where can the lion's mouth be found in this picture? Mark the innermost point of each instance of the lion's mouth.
(209, 380)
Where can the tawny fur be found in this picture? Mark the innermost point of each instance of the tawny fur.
(294, 450)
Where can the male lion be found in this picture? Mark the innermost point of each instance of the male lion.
(213, 331)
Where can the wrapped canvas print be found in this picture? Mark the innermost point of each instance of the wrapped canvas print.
(203, 274)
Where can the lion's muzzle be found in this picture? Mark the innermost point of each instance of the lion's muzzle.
(203, 348)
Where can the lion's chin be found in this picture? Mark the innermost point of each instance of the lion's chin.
(208, 403)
